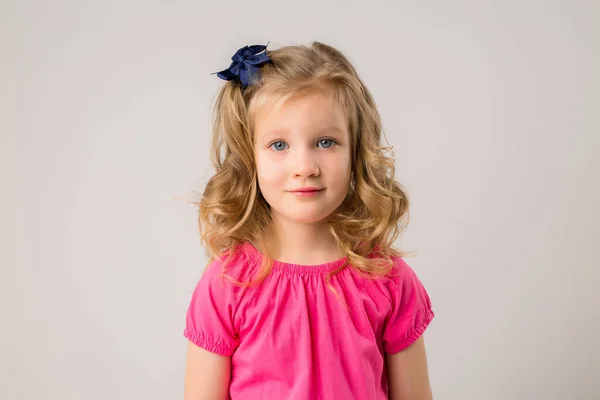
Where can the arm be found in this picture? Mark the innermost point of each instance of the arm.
(408, 378)
(206, 375)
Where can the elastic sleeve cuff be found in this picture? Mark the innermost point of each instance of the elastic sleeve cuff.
(213, 347)
(413, 336)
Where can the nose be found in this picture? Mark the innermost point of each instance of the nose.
(305, 164)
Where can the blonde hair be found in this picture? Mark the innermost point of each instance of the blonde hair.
(232, 209)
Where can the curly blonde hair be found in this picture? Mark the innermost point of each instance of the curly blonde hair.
(232, 209)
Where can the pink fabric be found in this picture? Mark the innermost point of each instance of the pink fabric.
(291, 338)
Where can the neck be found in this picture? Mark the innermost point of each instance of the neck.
(297, 243)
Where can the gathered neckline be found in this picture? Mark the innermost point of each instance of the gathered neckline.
(296, 268)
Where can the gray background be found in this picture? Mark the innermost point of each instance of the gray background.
(493, 111)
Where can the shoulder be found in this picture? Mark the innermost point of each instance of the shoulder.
(236, 264)
(402, 274)
(400, 278)
(411, 310)
(401, 270)
(402, 282)
(214, 312)
(220, 289)
(406, 288)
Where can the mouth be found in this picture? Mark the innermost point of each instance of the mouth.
(307, 192)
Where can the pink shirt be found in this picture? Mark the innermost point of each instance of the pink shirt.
(291, 338)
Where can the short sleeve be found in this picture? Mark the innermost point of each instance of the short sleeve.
(411, 310)
(210, 316)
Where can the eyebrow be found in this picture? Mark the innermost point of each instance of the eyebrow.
(320, 129)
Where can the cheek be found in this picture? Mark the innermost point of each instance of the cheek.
(343, 167)
(267, 171)
(346, 175)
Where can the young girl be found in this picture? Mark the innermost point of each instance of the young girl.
(304, 296)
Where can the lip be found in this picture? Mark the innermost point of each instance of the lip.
(307, 191)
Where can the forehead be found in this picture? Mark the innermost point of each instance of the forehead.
(310, 111)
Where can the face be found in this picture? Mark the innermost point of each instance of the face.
(302, 152)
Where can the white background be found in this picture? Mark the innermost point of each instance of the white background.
(493, 111)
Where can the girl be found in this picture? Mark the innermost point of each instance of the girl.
(304, 296)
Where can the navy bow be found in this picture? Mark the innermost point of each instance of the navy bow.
(246, 63)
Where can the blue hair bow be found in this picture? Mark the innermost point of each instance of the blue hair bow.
(246, 63)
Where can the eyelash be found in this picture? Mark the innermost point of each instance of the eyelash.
(333, 142)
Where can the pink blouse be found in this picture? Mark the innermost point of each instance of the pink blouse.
(292, 338)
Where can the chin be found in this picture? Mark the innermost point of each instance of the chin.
(307, 217)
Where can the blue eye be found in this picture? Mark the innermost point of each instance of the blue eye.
(279, 145)
(326, 143)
